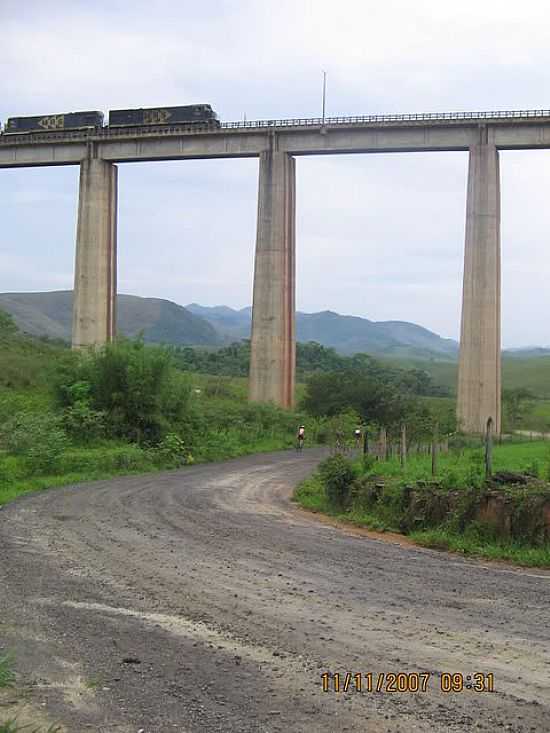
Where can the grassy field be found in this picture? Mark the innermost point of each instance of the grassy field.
(532, 373)
(460, 474)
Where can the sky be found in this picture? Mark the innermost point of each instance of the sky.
(379, 235)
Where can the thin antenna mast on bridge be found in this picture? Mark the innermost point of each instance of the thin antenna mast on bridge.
(324, 94)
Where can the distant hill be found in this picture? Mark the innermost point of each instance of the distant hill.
(231, 324)
(161, 321)
(527, 352)
(531, 372)
(346, 334)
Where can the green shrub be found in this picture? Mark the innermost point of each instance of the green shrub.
(450, 478)
(8, 470)
(365, 492)
(533, 468)
(39, 438)
(129, 458)
(83, 423)
(80, 420)
(337, 474)
(367, 462)
(170, 452)
(133, 387)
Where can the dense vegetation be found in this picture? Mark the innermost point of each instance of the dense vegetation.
(67, 417)
(526, 393)
(381, 399)
(311, 357)
(452, 510)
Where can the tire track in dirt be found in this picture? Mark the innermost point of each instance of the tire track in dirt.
(234, 602)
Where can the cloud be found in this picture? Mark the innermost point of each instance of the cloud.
(378, 235)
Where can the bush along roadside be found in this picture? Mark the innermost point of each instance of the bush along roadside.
(121, 409)
(504, 517)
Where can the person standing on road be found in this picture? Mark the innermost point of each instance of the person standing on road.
(301, 437)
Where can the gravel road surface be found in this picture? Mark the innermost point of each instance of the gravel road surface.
(203, 600)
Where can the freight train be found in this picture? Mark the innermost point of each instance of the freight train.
(195, 114)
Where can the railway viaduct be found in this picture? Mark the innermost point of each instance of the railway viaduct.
(277, 143)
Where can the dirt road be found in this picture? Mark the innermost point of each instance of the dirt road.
(202, 600)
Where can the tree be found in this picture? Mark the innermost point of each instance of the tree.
(516, 403)
(374, 399)
(134, 387)
(7, 325)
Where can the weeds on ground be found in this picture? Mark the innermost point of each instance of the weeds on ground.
(7, 679)
(442, 513)
(12, 726)
(466, 544)
(7, 675)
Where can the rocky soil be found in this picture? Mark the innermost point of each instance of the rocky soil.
(203, 600)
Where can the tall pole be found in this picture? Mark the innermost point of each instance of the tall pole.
(403, 445)
(324, 94)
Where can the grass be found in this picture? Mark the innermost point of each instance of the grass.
(7, 675)
(79, 465)
(12, 726)
(457, 471)
(470, 544)
(221, 423)
(7, 679)
(310, 494)
(93, 683)
(532, 373)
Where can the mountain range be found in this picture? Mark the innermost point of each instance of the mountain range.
(346, 334)
(162, 321)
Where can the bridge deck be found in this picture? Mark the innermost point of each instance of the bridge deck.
(520, 129)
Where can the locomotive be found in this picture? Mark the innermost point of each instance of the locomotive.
(195, 114)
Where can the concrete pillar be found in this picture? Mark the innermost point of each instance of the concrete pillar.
(94, 297)
(479, 376)
(273, 344)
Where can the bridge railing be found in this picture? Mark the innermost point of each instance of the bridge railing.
(412, 117)
(108, 132)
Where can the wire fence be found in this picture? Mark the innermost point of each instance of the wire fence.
(385, 446)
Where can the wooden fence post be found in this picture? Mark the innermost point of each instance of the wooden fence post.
(435, 440)
(365, 442)
(383, 445)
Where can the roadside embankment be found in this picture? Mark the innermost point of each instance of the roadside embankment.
(505, 517)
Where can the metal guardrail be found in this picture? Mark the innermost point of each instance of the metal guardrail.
(157, 131)
(414, 117)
